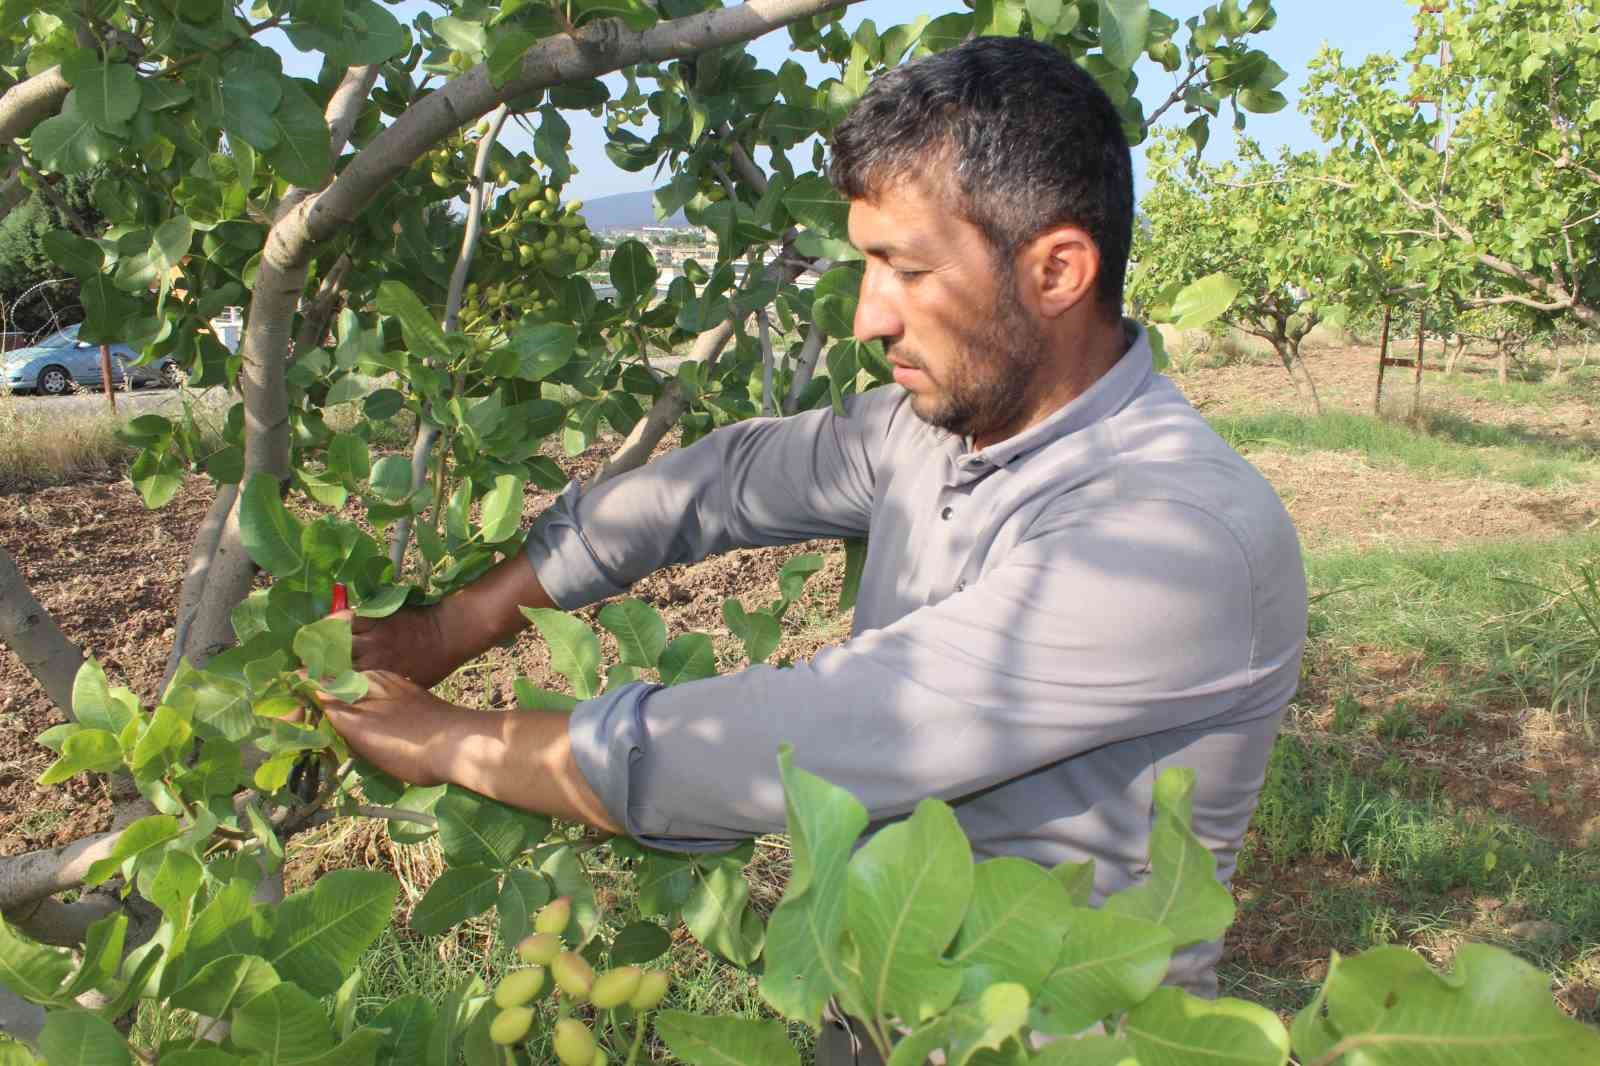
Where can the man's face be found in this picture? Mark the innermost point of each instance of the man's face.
(962, 344)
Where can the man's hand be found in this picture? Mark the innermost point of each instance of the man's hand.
(426, 643)
(523, 758)
(410, 643)
(396, 726)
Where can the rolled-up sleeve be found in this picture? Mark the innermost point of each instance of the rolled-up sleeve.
(1095, 628)
(757, 483)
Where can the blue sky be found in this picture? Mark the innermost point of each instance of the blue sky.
(1357, 27)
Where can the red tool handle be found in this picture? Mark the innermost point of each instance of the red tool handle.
(341, 600)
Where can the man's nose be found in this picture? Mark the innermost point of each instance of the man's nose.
(876, 317)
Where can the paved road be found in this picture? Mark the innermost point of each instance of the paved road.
(86, 402)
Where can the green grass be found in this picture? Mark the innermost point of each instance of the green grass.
(1441, 445)
(39, 448)
(1524, 618)
(1524, 392)
(1413, 861)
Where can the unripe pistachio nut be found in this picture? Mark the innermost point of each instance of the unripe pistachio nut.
(519, 987)
(510, 1026)
(539, 948)
(616, 987)
(573, 974)
(574, 1043)
(651, 991)
(554, 917)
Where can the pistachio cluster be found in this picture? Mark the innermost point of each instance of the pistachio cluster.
(546, 952)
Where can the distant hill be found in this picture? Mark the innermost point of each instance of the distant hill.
(627, 210)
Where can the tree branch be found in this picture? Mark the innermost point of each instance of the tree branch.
(37, 874)
(769, 363)
(192, 591)
(427, 434)
(596, 48)
(319, 312)
(805, 366)
(346, 105)
(29, 631)
(53, 194)
(27, 103)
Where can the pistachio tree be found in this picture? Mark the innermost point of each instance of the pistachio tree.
(316, 204)
(1474, 152)
(1258, 222)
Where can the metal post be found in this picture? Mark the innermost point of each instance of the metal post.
(1416, 373)
(1383, 360)
(105, 377)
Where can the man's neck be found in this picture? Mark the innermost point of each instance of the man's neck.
(1079, 360)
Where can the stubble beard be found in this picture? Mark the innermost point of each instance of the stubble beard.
(985, 390)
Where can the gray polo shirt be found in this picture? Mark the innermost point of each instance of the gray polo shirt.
(1044, 625)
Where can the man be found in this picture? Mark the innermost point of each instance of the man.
(1071, 584)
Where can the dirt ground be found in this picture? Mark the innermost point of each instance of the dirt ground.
(109, 572)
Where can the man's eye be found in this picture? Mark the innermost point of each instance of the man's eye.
(909, 275)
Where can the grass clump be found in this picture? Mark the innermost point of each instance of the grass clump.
(1441, 444)
(39, 448)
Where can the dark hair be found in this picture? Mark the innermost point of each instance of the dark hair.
(1028, 137)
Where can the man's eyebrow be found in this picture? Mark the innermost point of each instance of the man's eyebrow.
(890, 249)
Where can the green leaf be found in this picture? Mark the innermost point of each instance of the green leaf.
(759, 630)
(1109, 963)
(69, 142)
(689, 657)
(285, 1024)
(324, 647)
(143, 835)
(550, 144)
(409, 1022)
(1172, 1028)
(1182, 892)
(502, 509)
(321, 932)
(998, 1013)
(814, 203)
(569, 879)
(633, 271)
(1014, 924)
(718, 912)
(543, 349)
(804, 964)
(391, 478)
(474, 829)
(531, 697)
(92, 702)
(74, 254)
(249, 97)
(82, 1038)
(86, 751)
(1493, 1007)
(703, 1041)
(102, 953)
(167, 734)
(157, 475)
(855, 563)
(270, 534)
(906, 895)
(462, 35)
(793, 577)
(574, 650)
(31, 970)
(640, 632)
(384, 602)
(639, 943)
(302, 154)
(461, 892)
(223, 984)
(108, 93)
(521, 896)
(505, 53)
(1203, 301)
(422, 333)
(1124, 27)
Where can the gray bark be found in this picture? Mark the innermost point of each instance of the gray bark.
(30, 102)
(29, 631)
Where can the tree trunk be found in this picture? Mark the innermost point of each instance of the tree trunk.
(1458, 344)
(29, 631)
(1502, 353)
(1288, 351)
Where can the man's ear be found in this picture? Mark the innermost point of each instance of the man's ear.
(1060, 268)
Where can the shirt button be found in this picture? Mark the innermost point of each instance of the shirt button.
(946, 513)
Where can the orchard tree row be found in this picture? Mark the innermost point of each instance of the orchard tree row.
(1459, 180)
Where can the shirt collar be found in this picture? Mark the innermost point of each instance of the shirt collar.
(1107, 396)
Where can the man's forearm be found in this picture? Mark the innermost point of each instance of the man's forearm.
(520, 758)
(486, 612)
